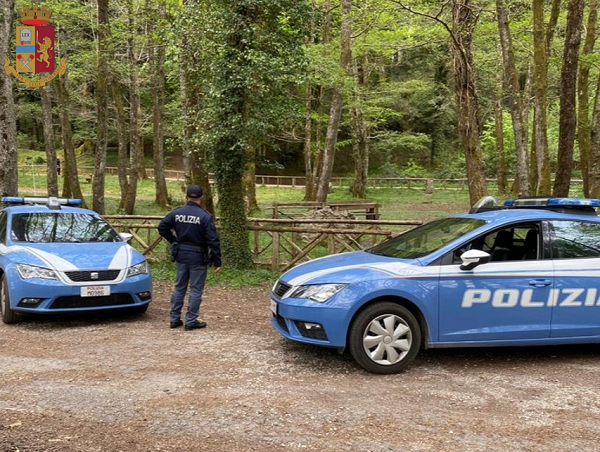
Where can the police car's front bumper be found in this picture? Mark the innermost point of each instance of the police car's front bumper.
(308, 321)
(44, 296)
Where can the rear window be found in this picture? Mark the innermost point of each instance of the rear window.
(61, 227)
(576, 239)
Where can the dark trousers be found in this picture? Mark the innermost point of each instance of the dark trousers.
(195, 275)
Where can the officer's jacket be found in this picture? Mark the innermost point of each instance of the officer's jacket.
(194, 231)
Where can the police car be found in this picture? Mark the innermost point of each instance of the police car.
(56, 258)
(526, 273)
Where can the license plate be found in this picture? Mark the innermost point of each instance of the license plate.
(95, 291)
(274, 307)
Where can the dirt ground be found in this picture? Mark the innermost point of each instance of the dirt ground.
(126, 383)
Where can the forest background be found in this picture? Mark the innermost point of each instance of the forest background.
(489, 89)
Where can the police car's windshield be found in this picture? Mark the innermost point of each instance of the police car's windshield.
(61, 227)
(426, 239)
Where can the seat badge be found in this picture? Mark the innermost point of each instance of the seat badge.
(94, 275)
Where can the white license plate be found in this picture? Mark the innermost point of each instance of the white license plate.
(95, 291)
(274, 307)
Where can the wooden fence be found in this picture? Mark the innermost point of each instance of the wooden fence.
(277, 242)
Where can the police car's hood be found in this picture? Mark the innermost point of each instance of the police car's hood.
(351, 268)
(74, 256)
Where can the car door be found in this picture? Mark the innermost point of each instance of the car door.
(504, 299)
(576, 260)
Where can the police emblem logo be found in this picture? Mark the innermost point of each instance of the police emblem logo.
(35, 48)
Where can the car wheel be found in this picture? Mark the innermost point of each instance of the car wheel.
(8, 315)
(384, 338)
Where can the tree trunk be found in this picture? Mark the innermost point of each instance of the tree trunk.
(98, 180)
(540, 74)
(134, 101)
(360, 139)
(568, 121)
(250, 183)
(583, 87)
(70, 166)
(8, 122)
(123, 139)
(195, 159)
(335, 112)
(34, 134)
(594, 173)
(49, 145)
(514, 97)
(309, 185)
(158, 100)
(466, 96)
(499, 133)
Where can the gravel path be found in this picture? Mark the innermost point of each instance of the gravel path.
(126, 383)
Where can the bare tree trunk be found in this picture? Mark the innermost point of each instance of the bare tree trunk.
(34, 134)
(583, 87)
(463, 22)
(540, 71)
(250, 182)
(499, 134)
(8, 122)
(195, 159)
(594, 173)
(309, 186)
(123, 140)
(360, 139)
(98, 186)
(158, 100)
(70, 166)
(335, 112)
(134, 102)
(51, 157)
(514, 97)
(568, 121)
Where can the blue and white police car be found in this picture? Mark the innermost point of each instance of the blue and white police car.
(58, 258)
(526, 273)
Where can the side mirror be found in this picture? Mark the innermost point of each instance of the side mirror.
(472, 258)
(125, 236)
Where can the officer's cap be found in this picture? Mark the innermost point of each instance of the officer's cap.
(194, 191)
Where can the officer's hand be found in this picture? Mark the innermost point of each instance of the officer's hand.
(217, 269)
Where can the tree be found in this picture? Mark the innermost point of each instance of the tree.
(337, 101)
(568, 121)
(583, 85)
(51, 157)
(514, 97)
(101, 107)
(134, 107)
(157, 59)
(8, 122)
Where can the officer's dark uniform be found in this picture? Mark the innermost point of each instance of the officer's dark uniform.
(195, 235)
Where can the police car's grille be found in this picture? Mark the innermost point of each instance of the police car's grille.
(84, 276)
(281, 322)
(92, 302)
(281, 288)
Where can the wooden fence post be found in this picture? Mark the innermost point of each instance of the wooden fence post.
(275, 252)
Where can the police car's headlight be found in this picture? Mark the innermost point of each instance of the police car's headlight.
(139, 269)
(319, 292)
(30, 271)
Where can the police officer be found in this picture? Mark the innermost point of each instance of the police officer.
(194, 247)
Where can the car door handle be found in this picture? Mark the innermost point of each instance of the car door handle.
(540, 282)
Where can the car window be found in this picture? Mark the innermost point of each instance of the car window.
(2, 227)
(61, 227)
(576, 239)
(426, 239)
(513, 243)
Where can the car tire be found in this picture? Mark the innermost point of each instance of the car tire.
(384, 338)
(8, 315)
(139, 310)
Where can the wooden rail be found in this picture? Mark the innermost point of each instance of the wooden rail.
(276, 242)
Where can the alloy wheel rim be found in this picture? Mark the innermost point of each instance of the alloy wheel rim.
(2, 307)
(387, 339)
